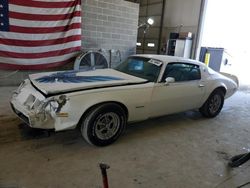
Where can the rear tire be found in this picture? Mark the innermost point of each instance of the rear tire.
(213, 105)
(104, 124)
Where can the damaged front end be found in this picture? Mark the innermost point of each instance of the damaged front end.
(35, 109)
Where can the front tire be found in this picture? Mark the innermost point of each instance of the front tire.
(104, 124)
(213, 105)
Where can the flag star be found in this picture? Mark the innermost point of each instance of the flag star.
(1, 6)
(1, 24)
(1, 15)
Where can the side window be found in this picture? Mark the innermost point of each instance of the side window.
(182, 72)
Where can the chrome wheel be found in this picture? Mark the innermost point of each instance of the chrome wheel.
(107, 125)
(215, 104)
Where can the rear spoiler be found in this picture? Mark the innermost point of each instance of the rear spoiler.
(232, 77)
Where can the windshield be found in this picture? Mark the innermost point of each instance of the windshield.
(145, 68)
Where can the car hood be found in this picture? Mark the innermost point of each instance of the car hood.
(51, 83)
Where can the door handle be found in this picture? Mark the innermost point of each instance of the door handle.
(201, 85)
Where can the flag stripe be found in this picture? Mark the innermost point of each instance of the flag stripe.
(41, 17)
(38, 60)
(35, 67)
(53, 0)
(39, 37)
(40, 24)
(45, 29)
(42, 4)
(43, 11)
(38, 55)
(40, 49)
(34, 43)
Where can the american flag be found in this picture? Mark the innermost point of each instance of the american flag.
(38, 34)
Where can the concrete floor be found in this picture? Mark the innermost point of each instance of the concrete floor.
(182, 150)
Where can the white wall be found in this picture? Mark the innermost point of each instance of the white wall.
(184, 12)
(181, 12)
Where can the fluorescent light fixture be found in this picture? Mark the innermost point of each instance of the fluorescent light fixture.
(150, 21)
(151, 45)
(138, 44)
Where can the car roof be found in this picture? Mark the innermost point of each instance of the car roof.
(166, 59)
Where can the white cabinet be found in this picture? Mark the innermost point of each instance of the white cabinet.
(183, 48)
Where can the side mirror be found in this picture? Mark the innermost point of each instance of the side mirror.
(169, 80)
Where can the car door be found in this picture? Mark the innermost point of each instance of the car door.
(184, 93)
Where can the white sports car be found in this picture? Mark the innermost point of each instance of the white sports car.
(101, 102)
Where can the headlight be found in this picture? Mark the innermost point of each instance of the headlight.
(30, 101)
(20, 87)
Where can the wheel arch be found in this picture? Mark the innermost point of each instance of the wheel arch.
(215, 87)
(205, 109)
(99, 104)
(222, 88)
(218, 86)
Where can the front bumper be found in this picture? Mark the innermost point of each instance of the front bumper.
(24, 103)
(31, 118)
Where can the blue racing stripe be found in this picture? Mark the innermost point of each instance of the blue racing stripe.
(71, 77)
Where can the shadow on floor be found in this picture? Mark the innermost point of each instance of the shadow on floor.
(31, 133)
